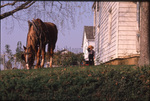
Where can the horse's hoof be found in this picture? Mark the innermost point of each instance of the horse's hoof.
(36, 67)
(41, 66)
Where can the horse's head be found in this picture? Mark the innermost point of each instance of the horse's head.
(28, 56)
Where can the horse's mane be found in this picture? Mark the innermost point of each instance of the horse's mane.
(39, 26)
(31, 41)
(40, 30)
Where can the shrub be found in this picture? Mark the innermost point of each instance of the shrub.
(76, 83)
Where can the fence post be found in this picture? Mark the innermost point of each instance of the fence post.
(4, 62)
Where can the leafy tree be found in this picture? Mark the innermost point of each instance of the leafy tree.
(1, 59)
(19, 51)
(80, 58)
(18, 54)
(10, 57)
(57, 58)
(9, 64)
(67, 59)
(8, 52)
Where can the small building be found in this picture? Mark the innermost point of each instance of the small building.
(88, 39)
(116, 26)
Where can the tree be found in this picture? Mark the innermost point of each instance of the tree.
(56, 58)
(80, 58)
(61, 13)
(67, 59)
(25, 5)
(19, 52)
(8, 52)
(145, 34)
(1, 61)
(9, 64)
(10, 57)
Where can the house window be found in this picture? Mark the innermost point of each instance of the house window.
(109, 26)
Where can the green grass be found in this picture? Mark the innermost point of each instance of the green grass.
(76, 83)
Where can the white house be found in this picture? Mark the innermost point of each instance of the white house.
(88, 39)
(116, 30)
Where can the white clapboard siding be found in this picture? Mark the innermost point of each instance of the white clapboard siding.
(127, 32)
(124, 37)
(127, 10)
(126, 51)
(107, 50)
(121, 39)
(131, 42)
(127, 14)
(127, 23)
(127, 28)
(127, 18)
(127, 4)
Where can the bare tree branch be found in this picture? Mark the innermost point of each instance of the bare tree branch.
(25, 5)
(62, 13)
(29, 5)
(8, 4)
(52, 6)
(60, 6)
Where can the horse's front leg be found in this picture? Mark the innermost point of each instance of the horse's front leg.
(38, 58)
(43, 56)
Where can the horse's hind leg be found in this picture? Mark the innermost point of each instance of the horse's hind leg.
(50, 51)
(51, 57)
(50, 62)
(43, 56)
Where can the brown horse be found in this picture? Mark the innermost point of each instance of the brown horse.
(40, 34)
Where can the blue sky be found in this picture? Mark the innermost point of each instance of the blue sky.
(68, 38)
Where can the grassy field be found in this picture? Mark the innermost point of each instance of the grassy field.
(77, 83)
